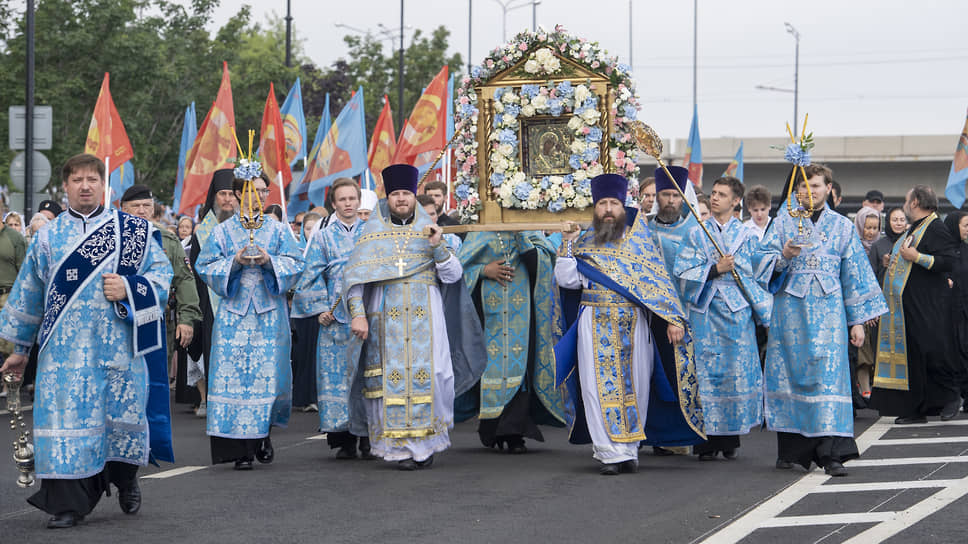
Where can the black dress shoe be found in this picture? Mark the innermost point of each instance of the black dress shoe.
(835, 468)
(426, 463)
(910, 420)
(346, 452)
(610, 469)
(64, 520)
(365, 450)
(129, 498)
(516, 445)
(661, 452)
(265, 454)
(630, 467)
(707, 456)
(783, 465)
(243, 464)
(729, 454)
(950, 410)
(407, 464)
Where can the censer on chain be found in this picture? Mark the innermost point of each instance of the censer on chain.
(23, 450)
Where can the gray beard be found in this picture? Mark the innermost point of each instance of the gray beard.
(608, 232)
(222, 215)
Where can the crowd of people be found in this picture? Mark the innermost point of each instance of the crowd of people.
(670, 324)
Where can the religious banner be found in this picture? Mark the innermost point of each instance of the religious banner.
(535, 122)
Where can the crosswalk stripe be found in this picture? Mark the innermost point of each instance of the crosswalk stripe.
(829, 519)
(919, 441)
(908, 461)
(912, 515)
(884, 486)
(173, 472)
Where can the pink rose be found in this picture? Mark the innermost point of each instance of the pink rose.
(585, 130)
(595, 64)
(464, 100)
(465, 80)
(620, 154)
(563, 47)
(523, 46)
(506, 58)
(472, 160)
(608, 70)
(490, 63)
(542, 37)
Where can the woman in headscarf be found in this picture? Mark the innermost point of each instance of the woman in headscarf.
(15, 221)
(868, 224)
(880, 251)
(957, 224)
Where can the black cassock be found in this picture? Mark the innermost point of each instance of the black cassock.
(933, 369)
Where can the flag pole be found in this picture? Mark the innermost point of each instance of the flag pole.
(282, 199)
(439, 156)
(107, 188)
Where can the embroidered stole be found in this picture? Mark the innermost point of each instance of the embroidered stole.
(891, 370)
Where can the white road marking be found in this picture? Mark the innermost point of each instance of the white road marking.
(918, 441)
(767, 514)
(317, 437)
(829, 519)
(885, 486)
(908, 461)
(173, 472)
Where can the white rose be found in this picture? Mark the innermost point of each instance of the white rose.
(506, 149)
(527, 111)
(542, 55)
(580, 175)
(552, 65)
(581, 93)
(539, 101)
(535, 195)
(574, 123)
(595, 170)
(580, 201)
(531, 67)
(590, 116)
(498, 107)
(505, 191)
(517, 178)
(511, 122)
(509, 98)
(568, 192)
(578, 147)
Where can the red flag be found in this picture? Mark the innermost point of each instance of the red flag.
(214, 147)
(272, 146)
(426, 129)
(383, 146)
(106, 136)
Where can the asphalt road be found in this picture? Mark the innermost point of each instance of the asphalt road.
(552, 494)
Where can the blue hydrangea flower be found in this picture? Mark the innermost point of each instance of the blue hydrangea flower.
(556, 205)
(476, 71)
(463, 190)
(569, 179)
(530, 91)
(512, 109)
(498, 120)
(499, 93)
(545, 182)
(590, 154)
(575, 162)
(585, 185)
(623, 68)
(522, 190)
(630, 111)
(565, 89)
(594, 135)
(591, 102)
(467, 110)
(507, 136)
(555, 107)
(497, 179)
(795, 154)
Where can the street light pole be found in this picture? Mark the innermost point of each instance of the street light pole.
(288, 34)
(508, 5)
(400, 75)
(796, 74)
(470, 28)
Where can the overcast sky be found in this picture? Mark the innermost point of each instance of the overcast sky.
(867, 67)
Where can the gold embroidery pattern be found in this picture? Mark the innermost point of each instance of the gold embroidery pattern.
(613, 351)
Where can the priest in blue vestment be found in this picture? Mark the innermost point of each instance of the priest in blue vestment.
(397, 283)
(510, 276)
(823, 287)
(91, 293)
(669, 226)
(722, 315)
(250, 377)
(618, 390)
(339, 392)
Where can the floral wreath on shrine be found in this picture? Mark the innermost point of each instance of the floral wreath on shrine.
(510, 186)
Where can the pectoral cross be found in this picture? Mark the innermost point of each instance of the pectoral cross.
(400, 264)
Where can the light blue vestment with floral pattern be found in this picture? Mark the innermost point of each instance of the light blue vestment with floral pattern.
(817, 296)
(319, 290)
(668, 237)
(727, 359)
(91, 390)
(250, 377)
